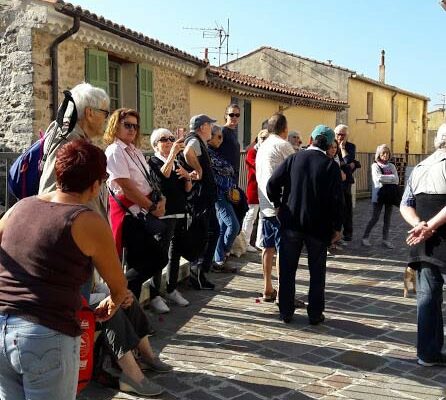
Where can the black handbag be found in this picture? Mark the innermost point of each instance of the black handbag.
(389, 194)
(151, 224)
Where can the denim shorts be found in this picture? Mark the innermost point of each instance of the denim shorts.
(271, 232)
(36, 362)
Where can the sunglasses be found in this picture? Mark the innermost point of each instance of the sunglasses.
(166, 139)
(128, 125)
(106, 112)
(232, 115)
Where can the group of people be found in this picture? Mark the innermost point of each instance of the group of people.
(302, 197)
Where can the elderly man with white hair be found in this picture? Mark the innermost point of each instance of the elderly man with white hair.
(92, 105)
(348, 166)
(424, 207)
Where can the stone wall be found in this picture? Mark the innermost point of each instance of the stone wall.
(171, 90)
(17, 19)
(71, 62)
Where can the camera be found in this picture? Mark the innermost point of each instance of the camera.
(155, 196)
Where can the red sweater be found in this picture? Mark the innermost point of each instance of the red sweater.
(251, 188)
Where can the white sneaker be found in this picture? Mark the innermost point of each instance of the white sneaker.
(388, 244)
(252, 249)
(158, 305)
(366, 242)
(177, 298)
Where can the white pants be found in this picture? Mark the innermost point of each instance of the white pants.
(248, 224)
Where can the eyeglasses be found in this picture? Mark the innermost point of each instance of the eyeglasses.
(128, 125)
(232, 115)
(166, 139)
(106, 112)
(341, 134)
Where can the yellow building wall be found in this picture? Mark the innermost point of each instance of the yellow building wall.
(304, 119)
(212, 102)
(408, 119)
(261, 109)
(435, 119)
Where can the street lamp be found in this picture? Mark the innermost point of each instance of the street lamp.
(443, 4)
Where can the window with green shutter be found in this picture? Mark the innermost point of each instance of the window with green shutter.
(145, 98)
(114, 84)
(96, 68)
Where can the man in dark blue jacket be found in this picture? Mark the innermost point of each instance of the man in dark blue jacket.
(348, 165)
(306, 188)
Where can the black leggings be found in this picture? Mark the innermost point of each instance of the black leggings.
(377, 207)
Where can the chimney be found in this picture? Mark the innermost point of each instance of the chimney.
(206, 54)
(382, 68)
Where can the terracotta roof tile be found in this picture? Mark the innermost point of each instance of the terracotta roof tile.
(105, 24)
(255, 82)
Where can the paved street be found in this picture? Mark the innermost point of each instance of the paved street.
(229, 345)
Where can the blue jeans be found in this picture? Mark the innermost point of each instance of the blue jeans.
(429, 315)
(36, 362)
(290, 247)
(229, 227)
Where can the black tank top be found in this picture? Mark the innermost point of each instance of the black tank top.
(41, 267)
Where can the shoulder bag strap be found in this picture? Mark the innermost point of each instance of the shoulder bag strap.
(120, 203)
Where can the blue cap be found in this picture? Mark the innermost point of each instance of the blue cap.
(324, 131)
(197, 120)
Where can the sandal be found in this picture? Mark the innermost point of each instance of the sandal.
(269, 298)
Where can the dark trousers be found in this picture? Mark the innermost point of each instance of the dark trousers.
(347, 229)
(291, 243)
(207, 256)
(430, 334)
(145, 255)
(169, 242)
(377, 207)
(124, 331)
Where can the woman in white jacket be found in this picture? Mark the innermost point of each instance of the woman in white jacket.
(383, 173)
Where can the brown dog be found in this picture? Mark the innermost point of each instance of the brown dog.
(409, 278)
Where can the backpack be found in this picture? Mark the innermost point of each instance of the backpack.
(24, 174)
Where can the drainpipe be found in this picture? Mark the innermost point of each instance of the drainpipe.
(55, 66)
(392, 126)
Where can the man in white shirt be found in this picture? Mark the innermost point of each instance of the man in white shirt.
(273, 151)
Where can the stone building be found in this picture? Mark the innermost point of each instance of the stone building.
(435, 119)
(258, 99)
(377, 113)
(47, 46)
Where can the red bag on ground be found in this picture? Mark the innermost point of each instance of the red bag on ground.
(87, 322)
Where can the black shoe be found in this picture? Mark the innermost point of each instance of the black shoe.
(199, 281)
(286, 319)
(317, 320)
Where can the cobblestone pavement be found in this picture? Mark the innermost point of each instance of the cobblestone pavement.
(229, 345)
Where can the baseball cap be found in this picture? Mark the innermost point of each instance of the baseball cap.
(197, 120)
(324, 131)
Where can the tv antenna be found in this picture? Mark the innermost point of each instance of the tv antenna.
(220, 33)
(443, 101)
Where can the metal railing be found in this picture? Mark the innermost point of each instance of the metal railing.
(362, 175)
(6, 199)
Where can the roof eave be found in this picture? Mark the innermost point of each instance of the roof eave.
(70, 10)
